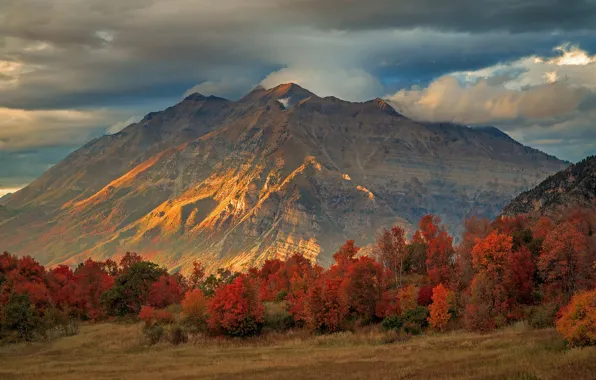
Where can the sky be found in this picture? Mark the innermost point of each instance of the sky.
(72, 70)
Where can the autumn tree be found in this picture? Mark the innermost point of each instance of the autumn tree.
(272, 283)
(164, 292)
(346, 254)
(475, 228)
(129, 259)
(63, 286)
(92, 282)
(563, 262)
(324, 308)
(236, 309)
(195, 308)
(518, 277)
(391, 251)
(28, 278)
(480, 313)
(439, 308)
(439, 249)
(197, 275)
(362, 288)
(489, 257)
(578, 319)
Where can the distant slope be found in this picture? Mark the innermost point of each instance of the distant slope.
(574, 186)
(276, 172)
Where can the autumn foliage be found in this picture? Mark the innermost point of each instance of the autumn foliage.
(439, 309)
(578, 319)
(236, 308)
(511, 269)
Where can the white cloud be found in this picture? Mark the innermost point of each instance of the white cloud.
(539, 101)
(531, 88)
(117, 127)
(222, 87)
(347, 84)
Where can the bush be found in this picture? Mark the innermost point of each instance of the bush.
(178, 335)
(393, 322)
(540, 317)
(281, 296)
(163, 317)
(147, 314)
(578, 320)
(59, 323)
(194, 307)
(277, 318)
(412, 328)
(154, 333)
(21, 317)
(417, 316)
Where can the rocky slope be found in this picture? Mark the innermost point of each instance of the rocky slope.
(574, 186)
(276, 172)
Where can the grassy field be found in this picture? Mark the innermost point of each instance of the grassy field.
(110, 351)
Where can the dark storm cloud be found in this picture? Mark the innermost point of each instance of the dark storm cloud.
(476, 16)
(70, 69)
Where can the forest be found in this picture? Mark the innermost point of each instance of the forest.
(540, 270)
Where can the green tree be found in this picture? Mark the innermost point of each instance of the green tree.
(131, 288)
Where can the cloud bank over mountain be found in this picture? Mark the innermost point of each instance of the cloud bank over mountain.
(71, 70)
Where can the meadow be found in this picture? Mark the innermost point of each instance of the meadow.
(118, 351)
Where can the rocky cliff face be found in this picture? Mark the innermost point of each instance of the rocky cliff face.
(276, 172)
(574, 186)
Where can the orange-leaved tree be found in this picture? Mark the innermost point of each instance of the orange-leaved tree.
(439, 308)
(578, 319)
(194, 307)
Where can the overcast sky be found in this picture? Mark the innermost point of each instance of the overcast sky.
(71, 70)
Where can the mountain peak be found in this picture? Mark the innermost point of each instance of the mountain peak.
(384, 106)
(195, 96)
(290, 90)
(288, 93)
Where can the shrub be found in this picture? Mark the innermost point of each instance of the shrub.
(417, 316)
(408, 297)
(146, 315)
(178, 335)
(412, 328)
(540, 317)
(578, 320)
(277, 318)
(59, 322)
(194, 307)
(393, 322)
(154, 333)
(164, 317)
(20, 316)
(281, 296)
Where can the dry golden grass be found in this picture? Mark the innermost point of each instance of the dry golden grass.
(109, 351)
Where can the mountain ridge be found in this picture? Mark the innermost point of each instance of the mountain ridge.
(234, 183)
(571, 187)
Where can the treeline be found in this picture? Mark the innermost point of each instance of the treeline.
(540, 270)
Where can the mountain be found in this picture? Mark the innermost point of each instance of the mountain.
(234, 183)
(574, 186)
